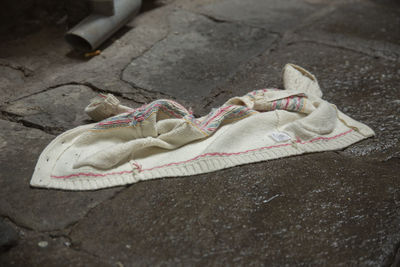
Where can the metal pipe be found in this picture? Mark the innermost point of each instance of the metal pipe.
(110, 16)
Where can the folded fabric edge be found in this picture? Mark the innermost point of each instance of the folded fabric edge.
(202, 165)
(44, 166)
(356, 125)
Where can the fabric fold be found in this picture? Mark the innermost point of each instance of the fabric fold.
(164, 139)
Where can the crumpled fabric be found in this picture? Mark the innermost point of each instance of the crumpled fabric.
(163, 138)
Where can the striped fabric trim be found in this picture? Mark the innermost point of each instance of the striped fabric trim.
(291, 103)
(208, 124)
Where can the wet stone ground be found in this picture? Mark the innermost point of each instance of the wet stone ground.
(337, 208)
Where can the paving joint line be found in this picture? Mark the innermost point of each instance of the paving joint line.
(15, 223)
(11, 117)
(24, 70)
(70, 227)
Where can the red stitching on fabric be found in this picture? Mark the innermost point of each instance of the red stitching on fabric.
(204, 155)
(114, 122)
(138, 166)
(287, 101)
(90, 174)
(325, 138)
(246, 151)
(215, 154)
(216, 115)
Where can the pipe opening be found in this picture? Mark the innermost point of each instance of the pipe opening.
(78, 42)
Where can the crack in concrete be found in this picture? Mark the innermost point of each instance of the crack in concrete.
(348, 48)
(133, 85)
(87, 84)
(72, 245)
(70, 227)
(15, 223)
(8, 116)
(42, 91)
(66, 230)
(281, 36)
(168, 32)
(57, 238)
(211, 98)
(218, 19)
(273, 46)
(147, 91)
(100, 90)
(75, 245)
(276, 44)
(212, 17)
(394, 261)
(25, 71)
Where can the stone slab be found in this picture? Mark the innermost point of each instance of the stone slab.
(274, 15)
(55, 110)
(372, 27)
(8, 236)
(52, 251)
(38, 209)
(196, 56)
(366, 20)
(318, 209)
(9, 78)
(58, 109)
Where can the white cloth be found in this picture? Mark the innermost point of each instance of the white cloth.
(163, 139)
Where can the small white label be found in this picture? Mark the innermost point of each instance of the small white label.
(280, 136)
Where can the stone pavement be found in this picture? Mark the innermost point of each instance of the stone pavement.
(330, 208)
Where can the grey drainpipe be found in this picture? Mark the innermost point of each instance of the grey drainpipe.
(107, 18)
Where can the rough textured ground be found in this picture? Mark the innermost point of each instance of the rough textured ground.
(332, 208)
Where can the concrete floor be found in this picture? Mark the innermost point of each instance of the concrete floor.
(330, 208)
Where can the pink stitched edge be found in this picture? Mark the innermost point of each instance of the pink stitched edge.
(215, 154)
(202, 156)
(113, 122)
(216, 115)
(138, 166)
(90, 174)
(246, 151)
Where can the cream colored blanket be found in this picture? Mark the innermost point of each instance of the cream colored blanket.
(163, 139)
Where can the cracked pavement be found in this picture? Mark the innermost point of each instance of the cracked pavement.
(329, 208)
